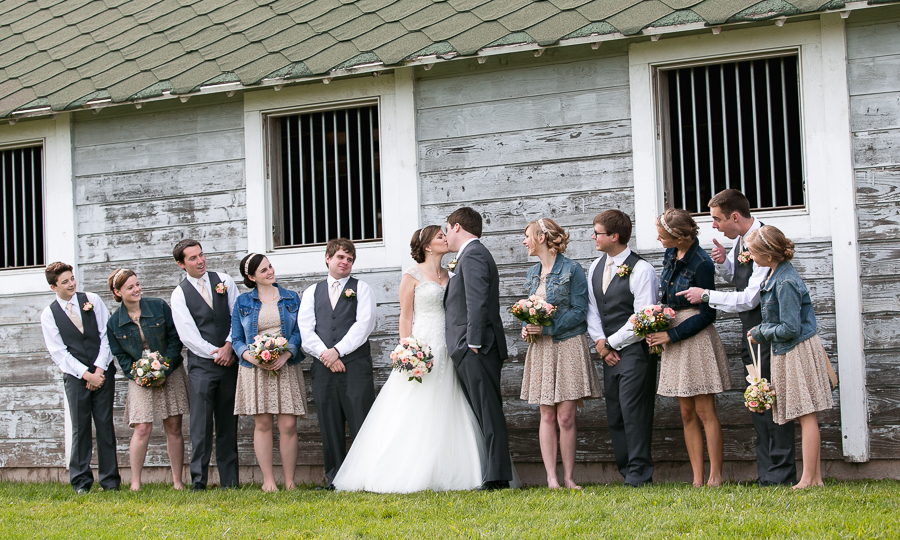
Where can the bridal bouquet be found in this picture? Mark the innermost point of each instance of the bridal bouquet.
(266, 348)
(759, 395)
(652, 319)
(533, 310)
(412, 356)
(150, 369)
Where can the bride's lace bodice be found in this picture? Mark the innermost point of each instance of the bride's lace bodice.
(428, 310)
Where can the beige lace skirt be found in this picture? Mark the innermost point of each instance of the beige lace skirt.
(557, 372)
(146, 405)
(693, 366)
(801, 381)
(260, 393)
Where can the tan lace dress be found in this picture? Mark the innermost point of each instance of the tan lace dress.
(693, 366)
(146, 405)
(801, 381)
(259, 392)
(558, 371)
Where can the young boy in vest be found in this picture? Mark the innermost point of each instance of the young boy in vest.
(336, 317)
(74, 328)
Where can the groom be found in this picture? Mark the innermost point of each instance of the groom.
(475, 339)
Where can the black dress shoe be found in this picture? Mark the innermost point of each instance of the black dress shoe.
(329, 487)
(494, 485)
(198, 488)
(82, 491)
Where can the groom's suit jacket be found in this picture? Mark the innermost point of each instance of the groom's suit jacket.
(472, 302)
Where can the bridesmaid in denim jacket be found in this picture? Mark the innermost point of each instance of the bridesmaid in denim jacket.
(801, 372)
(558, 372)
(277, 388)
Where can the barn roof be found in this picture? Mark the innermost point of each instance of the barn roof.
(62, 55)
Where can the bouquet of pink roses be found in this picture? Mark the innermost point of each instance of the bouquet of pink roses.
(266, 348)
(759, 395)
(652, 319)
(150, 369)
(533, 310)
(412, 356)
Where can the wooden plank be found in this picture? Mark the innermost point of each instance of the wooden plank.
(877, 148)
(879, 259)
(879, 222)
(880, 294)
(162, 270)
(884, 406)
(881, 331)
(33, 424)
(873, 75)
(883, 368)
(151, 243)
(875, 111)
(31, 397)
(878, 186)
(872, 40)
(21, 369)
(24, 308)
(884, 442)
(530, 146)
(21, 339)
(558, 109)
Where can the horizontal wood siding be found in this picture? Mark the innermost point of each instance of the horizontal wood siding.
(873, 48)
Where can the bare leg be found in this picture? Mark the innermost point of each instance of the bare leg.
(812, 448)
(287, 444)
(175, 448)
(547, 436)
(565, 416)
(693, 438)
(706, 409)
(262, 444)
(137, 451)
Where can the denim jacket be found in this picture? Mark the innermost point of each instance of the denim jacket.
(159, 331)
(245, 317)
(695, 269)
(787, 312)
(567, 290)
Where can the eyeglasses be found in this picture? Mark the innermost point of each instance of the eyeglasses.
(595, 234)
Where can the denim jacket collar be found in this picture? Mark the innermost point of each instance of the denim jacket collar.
(770, 280)
(672, 254)
(254, 293)
(123, 313)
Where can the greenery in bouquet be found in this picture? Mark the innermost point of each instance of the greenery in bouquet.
(759, 396)
(412, 356)
(150, 369)
(266, 349)
(652, 319)
(533, 310)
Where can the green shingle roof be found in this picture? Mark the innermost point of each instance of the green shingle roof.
(64, 54)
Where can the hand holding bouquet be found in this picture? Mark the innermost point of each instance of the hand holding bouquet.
(150, 370)
(650, 319)
(412, 356)
(533, 310)
(266, 349)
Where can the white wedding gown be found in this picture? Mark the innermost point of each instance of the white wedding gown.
(418, 436)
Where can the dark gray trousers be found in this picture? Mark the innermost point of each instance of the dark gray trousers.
(212, 389)
(84, 406)
(342, 401)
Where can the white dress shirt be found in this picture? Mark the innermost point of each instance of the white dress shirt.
(644, 285)
(59, 353)
(738, 301)
(184, 321)
(358, 333)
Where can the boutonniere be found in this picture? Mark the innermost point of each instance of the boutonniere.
(87, 307)
(349, 293)
(623, 270)
(221, 288)
(745, 258)
(452, 265)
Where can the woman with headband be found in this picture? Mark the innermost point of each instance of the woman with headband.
(559, 372)
(694, 367)
(264, 390)
(146, 324)
(801, 372)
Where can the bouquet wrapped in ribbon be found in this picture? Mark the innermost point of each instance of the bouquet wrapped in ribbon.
(412, 356)
(150, 370)
(266, 348)
(760, 395)
(651, 319)
(533, 310)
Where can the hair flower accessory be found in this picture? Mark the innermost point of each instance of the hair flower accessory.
(221, 288)
(87, 306)
(623, 270)
(349, 293)
(452, 265)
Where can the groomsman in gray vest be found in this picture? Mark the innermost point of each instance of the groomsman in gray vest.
(621, 283)
(730, 210)
(201, 308)
(74, 328)
(335, 319)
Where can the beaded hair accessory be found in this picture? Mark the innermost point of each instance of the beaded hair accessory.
(761, 235)
(543, 227)
(116, 277)
(662, 221)
(247, 264)
(420, 233)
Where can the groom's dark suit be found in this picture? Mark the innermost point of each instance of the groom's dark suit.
(472, 302)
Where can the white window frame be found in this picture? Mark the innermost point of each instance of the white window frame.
(58, 195)
(399, 177)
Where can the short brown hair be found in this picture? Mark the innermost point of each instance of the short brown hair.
(54, 270)
(420, 240)
(117, 280)
(556, 237)
(178, 251)
(730, 201)
(768, 240)
(468, 219)
(338, 244)
(678, 224)
(615, 222)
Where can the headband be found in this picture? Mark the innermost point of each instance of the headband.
(662, 220)
(116, 276)
(543, 227)
(420, 233)
(765, 241)
(247, 264)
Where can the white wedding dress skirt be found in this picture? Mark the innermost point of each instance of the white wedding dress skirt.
(418, 436)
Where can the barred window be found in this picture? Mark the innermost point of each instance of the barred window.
(325, 176)
(733, 125)
(21, 173)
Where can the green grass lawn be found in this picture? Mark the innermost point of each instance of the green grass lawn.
(839, 510)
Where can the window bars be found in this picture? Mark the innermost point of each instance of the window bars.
(21, 174)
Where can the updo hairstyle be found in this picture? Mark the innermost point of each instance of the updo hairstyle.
(555, 236)
(769, 241)
(678, 224)
(117, 280)
(247, 270)
(421, 239)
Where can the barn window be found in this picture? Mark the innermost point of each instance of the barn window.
(324, 168)
(21, 173)
(732, 125)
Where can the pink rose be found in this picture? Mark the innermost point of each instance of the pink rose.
(648, 312)
(155, 365)
(632, 319)
(265, 355)
(753, 404)
(393, 356)
(280, 341)
(429, 364)
(420, 355)
(404, 360)
(404, 341)
(657, 309)
(521, 303)
(669, 311)
(532, 311)
(549, 307)
(417, 372)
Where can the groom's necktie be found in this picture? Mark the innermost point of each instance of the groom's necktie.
(335, 293)
(204, 292)
(76, 320)
(607, 272)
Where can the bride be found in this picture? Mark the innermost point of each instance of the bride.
(418, 436)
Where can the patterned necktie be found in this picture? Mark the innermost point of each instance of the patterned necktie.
(335, 293)
(608, 272)
(204, 293)
(76, 320)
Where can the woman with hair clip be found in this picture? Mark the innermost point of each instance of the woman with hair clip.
(801, 372)
(694, 367)
(138, 325)
(275, 388)
(559, 372)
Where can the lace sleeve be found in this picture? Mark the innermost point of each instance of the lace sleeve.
(414, 272)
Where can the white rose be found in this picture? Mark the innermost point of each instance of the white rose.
(140, 372)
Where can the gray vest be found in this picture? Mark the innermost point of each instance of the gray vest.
(333, 324)
(84, 347)
(616, 306)
(213, 323)
(741, 278)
